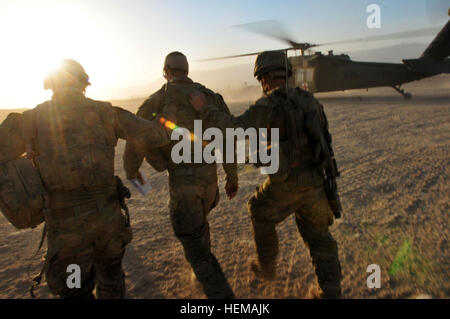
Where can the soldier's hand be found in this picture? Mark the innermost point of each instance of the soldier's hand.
(198, 100)
(231, 189)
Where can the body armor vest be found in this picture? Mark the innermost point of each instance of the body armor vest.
(178, 109)
(74, 148)
(289, 117)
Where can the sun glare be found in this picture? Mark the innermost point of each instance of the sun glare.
(35, 37)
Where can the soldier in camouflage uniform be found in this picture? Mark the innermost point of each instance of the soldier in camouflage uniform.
(73, 141)
(193, 186)
(298, 186)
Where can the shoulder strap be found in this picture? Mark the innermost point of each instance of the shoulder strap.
(163, 97)
(29, 132)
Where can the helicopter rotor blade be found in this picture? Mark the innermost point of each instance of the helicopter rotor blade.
(391, 36)
(227, 57)
(273, 29)
(268, 28)
(236, 56)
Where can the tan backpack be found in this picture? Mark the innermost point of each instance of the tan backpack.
(22, 193)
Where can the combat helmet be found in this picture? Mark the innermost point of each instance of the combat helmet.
(70, 73)
(176, 61)
(269, 61)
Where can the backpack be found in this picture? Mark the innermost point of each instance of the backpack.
(289, 114)
(178, 109)
(23, 197)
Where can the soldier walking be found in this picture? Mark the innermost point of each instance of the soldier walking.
(301, 185)
(193, 186)
(71, 140)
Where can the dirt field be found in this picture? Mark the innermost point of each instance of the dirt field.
(394, 160)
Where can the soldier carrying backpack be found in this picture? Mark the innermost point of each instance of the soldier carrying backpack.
(67, 180)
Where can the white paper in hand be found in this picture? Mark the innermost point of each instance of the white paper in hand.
(142, 188)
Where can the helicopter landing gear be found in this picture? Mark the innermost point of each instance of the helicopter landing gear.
(406, 95)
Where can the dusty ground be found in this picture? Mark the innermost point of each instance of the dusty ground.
(394, 159)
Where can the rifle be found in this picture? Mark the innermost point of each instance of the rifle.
(331, 173)
(330, 169)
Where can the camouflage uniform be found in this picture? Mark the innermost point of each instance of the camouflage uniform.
(73, 146)
(193, 186)
(296, 188)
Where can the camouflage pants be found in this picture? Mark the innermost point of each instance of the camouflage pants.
(190, 203)
(304, 196)
(94, 238)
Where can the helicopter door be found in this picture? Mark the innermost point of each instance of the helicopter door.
(304, 78)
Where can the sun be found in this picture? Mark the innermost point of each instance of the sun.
(35, 36)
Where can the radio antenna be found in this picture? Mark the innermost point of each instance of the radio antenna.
(286, 68)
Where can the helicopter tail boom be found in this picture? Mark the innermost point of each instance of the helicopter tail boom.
(431, 66)
(434, 59)
(439, 48)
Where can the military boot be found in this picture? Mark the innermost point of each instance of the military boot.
(266, 273)
(324, 292)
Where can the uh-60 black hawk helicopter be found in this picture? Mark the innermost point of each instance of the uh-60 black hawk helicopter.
(323, 73)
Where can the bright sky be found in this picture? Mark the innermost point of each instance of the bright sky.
(123, 43)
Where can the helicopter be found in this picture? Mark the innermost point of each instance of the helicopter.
(319, 72)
